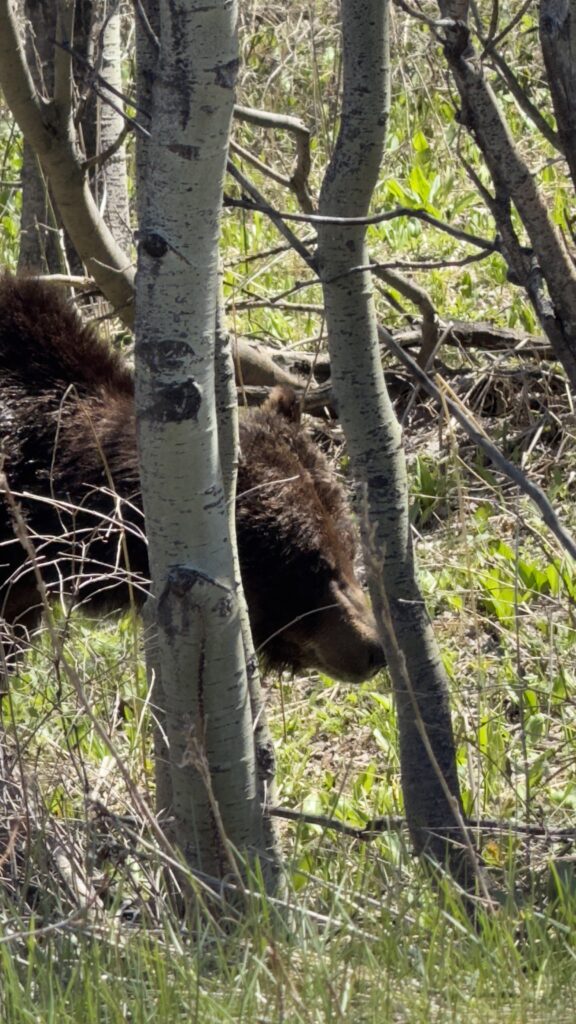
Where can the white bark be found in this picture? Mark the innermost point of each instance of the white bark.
(112, 180)
(227, 412)
(188, 87)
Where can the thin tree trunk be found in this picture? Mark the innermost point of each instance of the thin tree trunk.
(429, 777)
(112, 177)
(558, 41)
(227, 413)
(41, 248)
(514, 183)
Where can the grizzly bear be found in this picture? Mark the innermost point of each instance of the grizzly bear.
(68, 436)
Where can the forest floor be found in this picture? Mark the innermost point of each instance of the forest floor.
(361, 932)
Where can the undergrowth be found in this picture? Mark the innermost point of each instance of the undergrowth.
(359, 932)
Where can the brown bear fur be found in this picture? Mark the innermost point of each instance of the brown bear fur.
(68, 434)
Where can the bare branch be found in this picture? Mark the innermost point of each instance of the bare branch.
(298, 181)
(512, 472)
(394, 823)
(257, 202)
(101, 158)
(377, 218)
(245, 154)
(510, 26)
(63, 78)
(266, 119)
(414, 293)
(523, 101)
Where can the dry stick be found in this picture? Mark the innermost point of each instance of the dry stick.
(101, 158)
(245, 154)
(82, 283)
(516, 475)
(432, 264)
(420, 298)
(265, 253)
(296, 307)
(369, 831)
(429, 359)
(377, 218)
(13, 832)
(298, 180)
(257, 202)
(393, 824)
(267, 119)
(77, 916)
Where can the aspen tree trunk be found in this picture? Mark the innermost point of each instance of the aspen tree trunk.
(375, 444)
(111, 180)
(550, 263)
(40, 246)
(227, 413)
(187, 63)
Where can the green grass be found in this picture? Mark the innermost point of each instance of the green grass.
(370, 944)
(361, 934)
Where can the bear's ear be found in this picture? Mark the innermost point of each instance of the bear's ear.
(283, 401)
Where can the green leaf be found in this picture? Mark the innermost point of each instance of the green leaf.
(420, 142)
(419, 183)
